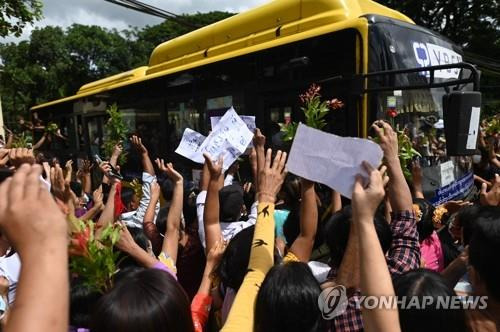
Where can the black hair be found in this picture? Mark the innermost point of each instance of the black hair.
(145, 300)
(167, 189)
(484, 248)
(234, 263)
(161, 219)
(290, 193)
(288, 300)
(426, 283)
(230, 203)
(76, 187)
(337, 233)
(425, 227)
(82, 301)
(467, 217)
(127, 195)
(141, 239)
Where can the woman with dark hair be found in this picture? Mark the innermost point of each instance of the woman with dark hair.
(430, 246)
(144, 300)
(426, 284)
(288, 300)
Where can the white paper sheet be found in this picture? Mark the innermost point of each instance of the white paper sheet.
(248, 119)
(230, 138)
(331, 159)
(190, 145)
(447, 173)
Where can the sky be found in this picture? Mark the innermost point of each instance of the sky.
(99, 12)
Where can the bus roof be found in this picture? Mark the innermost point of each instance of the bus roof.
(271, 24)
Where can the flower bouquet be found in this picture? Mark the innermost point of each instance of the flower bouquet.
(315, 111)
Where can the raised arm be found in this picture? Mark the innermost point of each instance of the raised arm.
(416, 171)
(172, 233)
(97, 198)
(303, 244)
(271, 177)
(375, 277)
(40, 142)
(117, 151)
(399, 192)
(200, 306)
(127, 244)
(33, 224)
(10, 138)
(86, 178)
(211, 219)
(147, 165)
(108, 214)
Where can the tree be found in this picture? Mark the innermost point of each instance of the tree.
(56, 62)
(15, 14)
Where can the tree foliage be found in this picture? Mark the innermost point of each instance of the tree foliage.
(15, 14)
(56, 62)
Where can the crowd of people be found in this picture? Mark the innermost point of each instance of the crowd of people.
(267, 255)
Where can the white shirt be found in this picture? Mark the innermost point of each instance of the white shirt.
(135, 218)
(229, 229)
(10, 267)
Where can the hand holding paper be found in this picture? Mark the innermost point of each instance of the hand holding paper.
(331, 159)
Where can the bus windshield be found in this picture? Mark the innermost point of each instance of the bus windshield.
(418, 111)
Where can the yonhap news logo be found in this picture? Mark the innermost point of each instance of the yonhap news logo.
(332, 302)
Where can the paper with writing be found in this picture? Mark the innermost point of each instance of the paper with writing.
(330, 159)
(190, 145)
(229, 138)
(248, 119)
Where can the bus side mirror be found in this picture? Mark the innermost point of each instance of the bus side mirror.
(461, 114)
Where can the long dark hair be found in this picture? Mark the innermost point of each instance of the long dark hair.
(288, 300)
(145, 300)
(426, 283)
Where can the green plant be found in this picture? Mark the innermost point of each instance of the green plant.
(314, 110)
(492, 125)
(116, 132)
(22, 141)
(406, 153)
(52, 128)
(92, 258)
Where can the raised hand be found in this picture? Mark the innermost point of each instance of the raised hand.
(271, 177)
(214, 168)
(4, 157)
(28, 215)
(97, 197)
(492, 197)
(259, 140)
(155, 191)
(169, 170)
(69, 170)
(137, 143)
(215, 254)
(117, 150)
(21, 156)
(366, 199)
(86, 166)
(388, 140)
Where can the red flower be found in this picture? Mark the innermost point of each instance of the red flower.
(392, 113)
(335, 104)
(79, 243)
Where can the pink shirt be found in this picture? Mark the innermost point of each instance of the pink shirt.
(432, 253)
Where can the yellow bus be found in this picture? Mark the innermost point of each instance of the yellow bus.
(259, 61)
